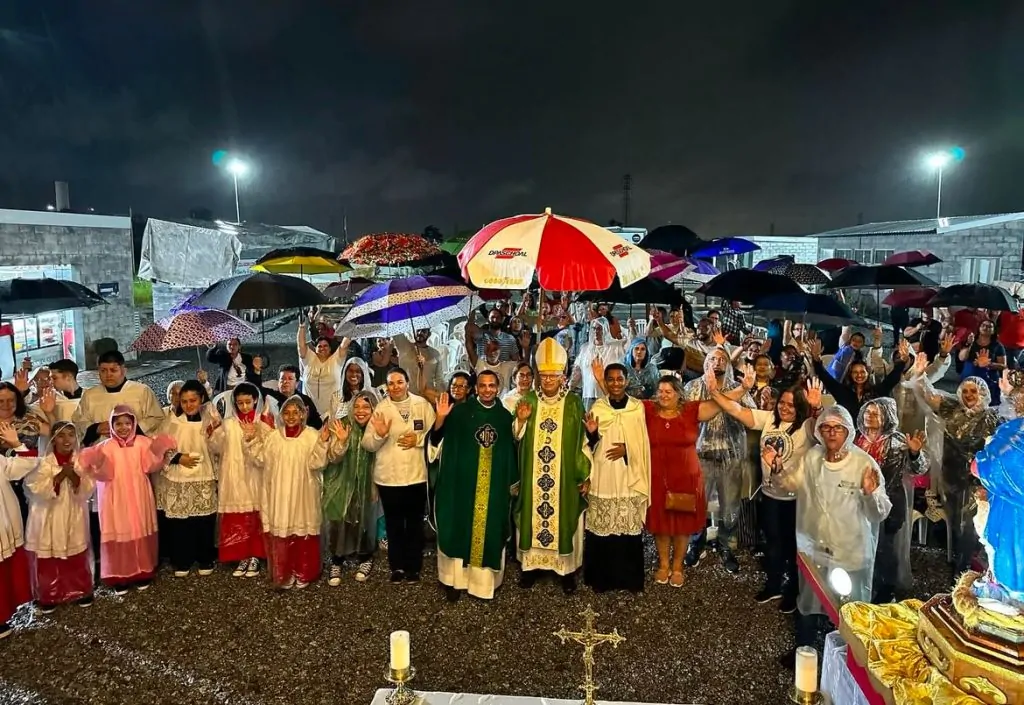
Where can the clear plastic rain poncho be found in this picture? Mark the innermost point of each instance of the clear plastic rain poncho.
(723, 439)
(57, 533)
(889, 449)
(641, 383)
(341, 400)
(836, 523)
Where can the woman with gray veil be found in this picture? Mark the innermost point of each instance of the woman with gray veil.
(356, 377)
(350, 506)
(840, 501)
(899, 456)
(967, 420)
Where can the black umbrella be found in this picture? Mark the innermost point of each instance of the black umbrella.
(348, 289)
(880, 276)
(645, 291)
(28, 297)
(748, 285)
(677, 239)
(819, 309)
(259, 290)
(994, 298)
(806, 274)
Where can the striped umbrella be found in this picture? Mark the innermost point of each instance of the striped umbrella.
(566, 254)
(405, 305)
(698, 271)
(665, 265)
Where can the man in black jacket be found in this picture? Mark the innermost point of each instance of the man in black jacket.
(287, 386)
(235, 366)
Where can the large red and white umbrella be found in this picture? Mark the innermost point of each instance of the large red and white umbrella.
(566, 254)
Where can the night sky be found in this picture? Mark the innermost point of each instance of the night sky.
(730, 116)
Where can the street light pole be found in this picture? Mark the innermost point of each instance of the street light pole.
(938, 162)
(238, 212)
(938, 198)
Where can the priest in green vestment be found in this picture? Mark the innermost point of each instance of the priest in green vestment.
(554, 471)
(475, 484)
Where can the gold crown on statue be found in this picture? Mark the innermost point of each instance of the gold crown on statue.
(551, 357)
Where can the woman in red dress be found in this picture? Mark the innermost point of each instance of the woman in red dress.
(673, 427)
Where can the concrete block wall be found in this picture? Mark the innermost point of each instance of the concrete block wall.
(803, 249)
(1004, 242)
(98, 255)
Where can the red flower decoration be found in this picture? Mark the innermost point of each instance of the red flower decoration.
(389, 249)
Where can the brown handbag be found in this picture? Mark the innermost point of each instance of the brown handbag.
(680, 502)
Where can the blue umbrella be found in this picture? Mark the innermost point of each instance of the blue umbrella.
(818, 309)
(767, 265)
(726, 246)
(405, 305)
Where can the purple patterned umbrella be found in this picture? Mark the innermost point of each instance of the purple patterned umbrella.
(697, 271)
(190, 329)
(767, 265)
(405, 305)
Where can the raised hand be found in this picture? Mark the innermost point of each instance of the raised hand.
(340, 431)
(212, 427)
(325, 432)
(597, 368)
(915, 441)
(920, 364)
(590, 423)
(970, 341)
(946, 344)
(248, 429)
(523, 410)
(982, 360)
(345, 343)
(749, 377)
(381, 424)
(444, 406)
(21, 380)
(718, 337)
(1005, 385)
(48, 401)
(9, 435)
(814, 392)
(204, 378)
(815, 347)
(869, 481)
(904, 350)
(711, 381)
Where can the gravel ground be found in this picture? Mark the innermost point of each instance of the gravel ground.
(219, 639)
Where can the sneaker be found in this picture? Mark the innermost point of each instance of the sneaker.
(694, 554)
(85, 601)
(253, 568)
(767, 595)
(788, 603)
(397, 576)
(205, 570)
(288, 584)
(239, 571)
(121, 590)
(300, 584)
(45, 609)
(334, 578)
(143, 585)
(6, 630)
(181, 573)
(729, 561)
(363, 572)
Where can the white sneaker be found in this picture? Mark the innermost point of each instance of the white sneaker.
(363, 572)
(299, 584)
(240, 570)
(205, 571)
(253, 569)
(289, 584)
(181, 573)
(334, 580)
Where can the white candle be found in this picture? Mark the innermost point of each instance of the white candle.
(400, 651)
(806, 670)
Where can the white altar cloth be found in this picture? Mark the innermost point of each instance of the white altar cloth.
(472, 699)
(836, 680)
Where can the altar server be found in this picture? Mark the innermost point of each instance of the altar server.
(127, 512)
(292, 457)
(57, 533)
(15, 588)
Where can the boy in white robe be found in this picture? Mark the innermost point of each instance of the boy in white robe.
(15, 588)
(57, 534)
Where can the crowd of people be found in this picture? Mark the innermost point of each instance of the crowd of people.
(557, 450)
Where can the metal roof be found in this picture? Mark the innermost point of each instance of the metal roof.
(930, 226)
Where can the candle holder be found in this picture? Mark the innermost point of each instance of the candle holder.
(402, 694)
(802, 697)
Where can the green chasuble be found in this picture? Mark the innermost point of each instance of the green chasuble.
(474, 484)
(552, 466)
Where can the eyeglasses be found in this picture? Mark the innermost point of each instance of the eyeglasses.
(460, 385)
(832, 429)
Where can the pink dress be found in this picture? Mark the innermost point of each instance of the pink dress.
(674, 467)
(128, 538)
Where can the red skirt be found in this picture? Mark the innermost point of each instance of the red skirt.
(15, 586)
(56, 581)
(241, 537)
(293, 556)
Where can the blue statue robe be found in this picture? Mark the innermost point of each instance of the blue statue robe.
(1001, 470)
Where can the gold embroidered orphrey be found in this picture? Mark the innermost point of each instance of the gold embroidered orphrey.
(588, 639)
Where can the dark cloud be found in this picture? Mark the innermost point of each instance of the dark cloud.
(730, 118)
